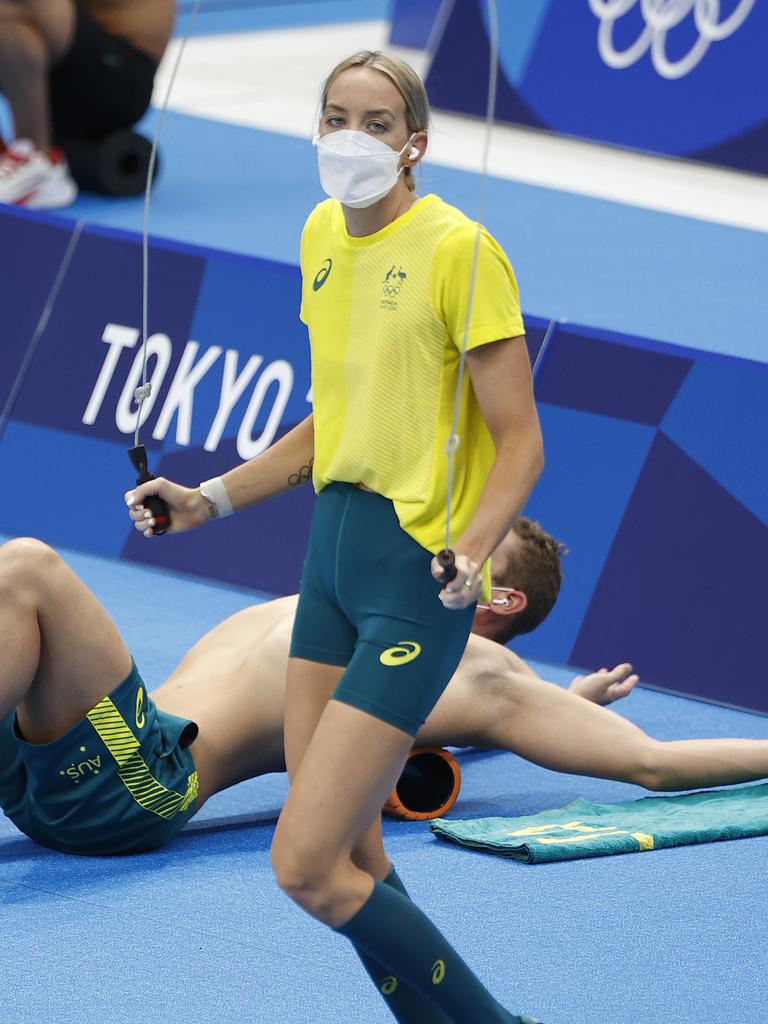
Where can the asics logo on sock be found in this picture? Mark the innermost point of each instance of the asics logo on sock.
(407, 650)
(388, 986)
(322, 275)
(438, 971)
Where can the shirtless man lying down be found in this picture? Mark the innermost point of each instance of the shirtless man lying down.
(90, 762)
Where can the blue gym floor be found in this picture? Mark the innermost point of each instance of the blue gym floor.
(198, 932)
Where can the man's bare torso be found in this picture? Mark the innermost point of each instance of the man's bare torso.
(232, 683)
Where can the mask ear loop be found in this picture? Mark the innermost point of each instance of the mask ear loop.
(446, 558)
(138, 454)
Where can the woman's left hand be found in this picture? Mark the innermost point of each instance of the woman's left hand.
(464, 589)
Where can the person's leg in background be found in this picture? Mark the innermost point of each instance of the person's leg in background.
(34, 35)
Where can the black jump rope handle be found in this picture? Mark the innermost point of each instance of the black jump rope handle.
(447, 561)
(159, 508)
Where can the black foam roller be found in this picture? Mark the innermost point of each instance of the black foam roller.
(115, 165)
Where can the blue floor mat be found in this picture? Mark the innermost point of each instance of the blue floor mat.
(199, 931)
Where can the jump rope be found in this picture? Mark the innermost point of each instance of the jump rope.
(138, 454)
(446, 558)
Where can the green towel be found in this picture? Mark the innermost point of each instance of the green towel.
(584, 829)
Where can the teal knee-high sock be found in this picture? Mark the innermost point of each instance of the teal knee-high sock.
(406, 1004)
(392, 930)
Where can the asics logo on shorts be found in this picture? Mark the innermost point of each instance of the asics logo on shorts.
(322, 275)
(140, 716)
(388, 986)
(438, 972)
(407, 650)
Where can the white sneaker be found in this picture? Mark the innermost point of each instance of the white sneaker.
(34, 180)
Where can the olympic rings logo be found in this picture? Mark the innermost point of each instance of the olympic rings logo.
(661, 16)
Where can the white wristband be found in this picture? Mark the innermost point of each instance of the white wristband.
(215, 493)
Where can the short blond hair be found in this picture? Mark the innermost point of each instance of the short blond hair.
(405, 80)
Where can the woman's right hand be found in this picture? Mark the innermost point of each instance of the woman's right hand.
(187, 506)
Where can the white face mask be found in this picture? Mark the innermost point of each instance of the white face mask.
(356, 168)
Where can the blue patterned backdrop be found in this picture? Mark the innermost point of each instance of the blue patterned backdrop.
(655, 477)
(685, 78)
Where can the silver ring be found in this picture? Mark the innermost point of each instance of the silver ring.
(467, 584)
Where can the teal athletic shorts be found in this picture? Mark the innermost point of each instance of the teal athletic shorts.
(369, 602)
(121, 780)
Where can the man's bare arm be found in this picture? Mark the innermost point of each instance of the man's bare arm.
(602, 687)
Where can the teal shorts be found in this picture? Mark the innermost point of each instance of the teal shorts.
(121, 780)
(368, 602)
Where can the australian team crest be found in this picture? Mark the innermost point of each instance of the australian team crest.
(392, 285)
(394, 280)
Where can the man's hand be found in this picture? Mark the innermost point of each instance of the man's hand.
(604, 687)
(187, 506)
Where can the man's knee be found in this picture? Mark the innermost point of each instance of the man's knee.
(26, 566)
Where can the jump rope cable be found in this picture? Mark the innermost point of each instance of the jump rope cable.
(142, 393)
(447, 557)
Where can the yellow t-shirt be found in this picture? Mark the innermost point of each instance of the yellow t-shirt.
(386, 316)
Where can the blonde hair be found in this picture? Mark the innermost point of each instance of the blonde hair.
(405, 80)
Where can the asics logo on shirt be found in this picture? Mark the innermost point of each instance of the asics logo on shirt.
(407, 650)
(322, 275)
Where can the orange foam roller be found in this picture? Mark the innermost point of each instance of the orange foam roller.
(428, 786)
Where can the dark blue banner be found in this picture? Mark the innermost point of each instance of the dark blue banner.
(685, 78)
(655, 454)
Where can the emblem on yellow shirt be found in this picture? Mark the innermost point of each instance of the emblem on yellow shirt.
(393, 281)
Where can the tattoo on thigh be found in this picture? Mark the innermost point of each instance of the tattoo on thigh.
(303, 476)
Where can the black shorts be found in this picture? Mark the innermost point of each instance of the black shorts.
(102, 84)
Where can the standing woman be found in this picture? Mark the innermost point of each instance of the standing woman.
(386, 284)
